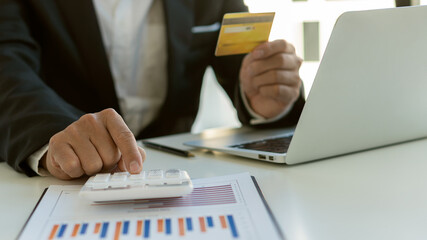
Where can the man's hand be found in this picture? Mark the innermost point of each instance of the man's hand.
(96, 142)
(270, 78)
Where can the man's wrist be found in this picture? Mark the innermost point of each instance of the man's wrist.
(256, 118)
(37, 161)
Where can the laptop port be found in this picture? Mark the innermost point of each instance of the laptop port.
(271, 158)
(262, 157)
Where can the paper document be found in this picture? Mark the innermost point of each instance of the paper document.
(228, 207)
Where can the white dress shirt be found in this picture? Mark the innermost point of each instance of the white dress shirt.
(134, 36)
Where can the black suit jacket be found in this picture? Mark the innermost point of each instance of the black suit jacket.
(53, 69)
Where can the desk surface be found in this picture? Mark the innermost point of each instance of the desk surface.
(377, 194)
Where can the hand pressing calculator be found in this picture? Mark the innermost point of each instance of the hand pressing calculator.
(147, 184)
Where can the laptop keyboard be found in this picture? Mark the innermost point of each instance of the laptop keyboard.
(276, 145)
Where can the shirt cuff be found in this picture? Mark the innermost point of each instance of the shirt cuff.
(258, 119)
(34, 161)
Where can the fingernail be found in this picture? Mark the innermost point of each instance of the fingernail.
(134, 166)
(258, 53)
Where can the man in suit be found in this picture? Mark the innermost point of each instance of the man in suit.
(70, 69)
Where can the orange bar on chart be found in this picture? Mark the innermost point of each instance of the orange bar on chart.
(223, 222)
(139, 228)
(181, 226)
(160, 225)
(117, 232)
(202, 224)
(75, 230)
(97, 227)
(53, 232)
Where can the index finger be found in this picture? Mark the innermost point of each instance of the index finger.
(124, 140)
(268, 49)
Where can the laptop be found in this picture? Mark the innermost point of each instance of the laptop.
(370, 91)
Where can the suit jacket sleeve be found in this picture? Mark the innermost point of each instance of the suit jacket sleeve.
(227, 72)
(30, 111)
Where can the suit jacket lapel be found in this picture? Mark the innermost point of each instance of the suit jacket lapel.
(179, 21)
(82, 22)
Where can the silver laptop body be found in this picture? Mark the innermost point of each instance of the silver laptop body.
(370, 90)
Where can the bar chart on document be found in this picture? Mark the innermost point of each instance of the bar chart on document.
(197, 227)
(216, 209)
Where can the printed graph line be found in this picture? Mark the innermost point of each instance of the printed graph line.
(202, 196)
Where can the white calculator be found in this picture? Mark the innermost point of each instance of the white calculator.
(147, 184)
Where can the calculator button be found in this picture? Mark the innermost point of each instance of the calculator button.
(100, 186)
(155, 174)
(118, 178)
(121, 174)
(173, 173)
(103, 177)
(118, 185)
(137, 176)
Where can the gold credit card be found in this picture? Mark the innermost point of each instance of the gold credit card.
(242, 32)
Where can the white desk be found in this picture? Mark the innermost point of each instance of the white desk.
(378, 194)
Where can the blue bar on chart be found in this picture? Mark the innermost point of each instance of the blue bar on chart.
(232, 226)
(83, 229)
(210, 222)
(104, 229)
(62, 230)
(189, 224)
(147, 228)
(168, 226)
(125, 227)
